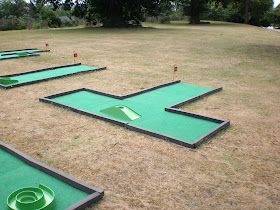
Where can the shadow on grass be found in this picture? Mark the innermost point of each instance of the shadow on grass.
(148, 27)
(203, 23)
(268, 51)
(102, 29)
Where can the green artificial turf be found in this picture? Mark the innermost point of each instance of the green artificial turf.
(14, 54)
(15, 174)
(150, 106)
(50, 73)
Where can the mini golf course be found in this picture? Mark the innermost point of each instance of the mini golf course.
(27, 184)
(20, 53)
(153, 111)
(30, 77)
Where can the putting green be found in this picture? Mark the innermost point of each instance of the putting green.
(15, 174)
(18, 53)
(151, 106)
(14, 80)
(51, 73)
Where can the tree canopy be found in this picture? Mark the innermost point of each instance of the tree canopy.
(125, 13)
(241, 11)
(17, 8)
(119, 13)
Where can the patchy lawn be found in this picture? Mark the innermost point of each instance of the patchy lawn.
(239, 168)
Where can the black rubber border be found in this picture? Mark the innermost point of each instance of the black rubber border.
(17, 50)
(96, 194)
(45, 79)
(172, 108)
(22, 56)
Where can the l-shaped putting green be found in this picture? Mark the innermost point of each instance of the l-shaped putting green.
(158, 118)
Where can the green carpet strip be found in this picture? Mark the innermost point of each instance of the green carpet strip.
(157, 116)
(20, 53)
(44, 74)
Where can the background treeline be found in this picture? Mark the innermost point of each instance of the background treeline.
(17, 14)
(259, 12)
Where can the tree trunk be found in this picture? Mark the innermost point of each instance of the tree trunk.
(246, 16)
(195, 12)
(114, 16)
(195, 19)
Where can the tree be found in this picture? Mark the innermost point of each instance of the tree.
(67, 5)
(16, 8)
(194, 9)
(258, 9)
(273, 16)
(46, 13)
(254, 10)
(118, 13)
(241, 11)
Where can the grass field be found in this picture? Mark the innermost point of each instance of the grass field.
(237, 169)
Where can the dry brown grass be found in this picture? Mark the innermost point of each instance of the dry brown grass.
(237, 169)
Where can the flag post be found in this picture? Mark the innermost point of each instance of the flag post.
(75, 56)
(46, 45)
(175, 69)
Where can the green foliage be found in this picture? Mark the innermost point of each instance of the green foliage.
(67, 5)
(234, 11)
(230, 13)
(86, 11)
(120, 13)
(273, 16)
(16, 8)
(257, 11)
(233, 14)
(52, 17)
(216, 12)
(17, 14)
(12, 23)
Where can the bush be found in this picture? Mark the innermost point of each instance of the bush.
(48, 14)
(39, 24)
(12, 23)
(65, 21)
(68, 22)
(17, 15)
(22, 24)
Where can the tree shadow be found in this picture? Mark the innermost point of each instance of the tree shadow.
(268, 51)
(206, 24)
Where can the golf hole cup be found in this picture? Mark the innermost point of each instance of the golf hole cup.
(31, 198)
